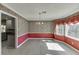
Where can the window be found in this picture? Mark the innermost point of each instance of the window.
(60, 29)
(73, 31)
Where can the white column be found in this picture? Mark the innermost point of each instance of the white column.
(0, 33)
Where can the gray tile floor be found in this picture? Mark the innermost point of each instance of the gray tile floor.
(40, 47)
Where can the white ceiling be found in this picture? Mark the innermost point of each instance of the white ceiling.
(53, 10)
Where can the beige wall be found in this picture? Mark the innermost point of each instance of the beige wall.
(35, 27)
(22, 26)
(22, 22)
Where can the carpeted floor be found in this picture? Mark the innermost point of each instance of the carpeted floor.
(40, 47)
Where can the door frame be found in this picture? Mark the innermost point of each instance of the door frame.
(0, 33)
(16, 26)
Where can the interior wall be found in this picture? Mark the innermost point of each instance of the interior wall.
(67, 21)
(36, 30)
(22, 30)
(39, 29)
(22, 26)
(21, 22)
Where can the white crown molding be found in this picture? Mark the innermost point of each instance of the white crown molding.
(13, 10)
(51, 19)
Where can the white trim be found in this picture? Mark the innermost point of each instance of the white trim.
(16, 26)
(28, 39)
(7, 13)
(66, 32)
(0, 35)
(40, 38)
(59, 34)
(42, 32)
(22, 34)
(73, 38)
(16, 31)
(71, 47)
(68, 45)
(57, 40)
(22, 43)
(12, 10)
(57, 29)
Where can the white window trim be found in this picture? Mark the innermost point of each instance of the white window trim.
(57, 31)
(66, 33)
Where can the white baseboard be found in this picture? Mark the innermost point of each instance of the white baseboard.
(29, 39)
(22, 43)
(40, 38)
(58, 40)
(68, 45)
(48, 38)
(71, 47)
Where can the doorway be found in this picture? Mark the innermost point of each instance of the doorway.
(8, 31)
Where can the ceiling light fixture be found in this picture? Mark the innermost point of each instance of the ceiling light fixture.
(42, 16)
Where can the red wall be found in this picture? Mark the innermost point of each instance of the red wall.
(74, 19)
(22, 38)
(68, 40)
(58, 37)
(74, 43)
(40, 35)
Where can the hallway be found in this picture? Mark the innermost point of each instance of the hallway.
(40, 47)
